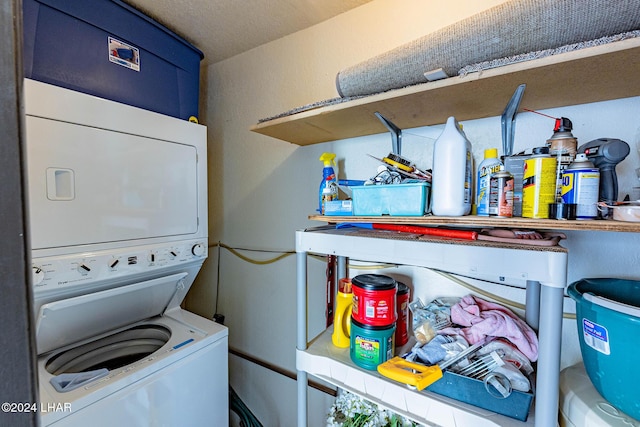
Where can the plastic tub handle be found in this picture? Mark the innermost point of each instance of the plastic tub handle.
(612, 305)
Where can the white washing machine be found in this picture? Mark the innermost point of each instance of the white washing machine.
(118, 227)
(582, 406)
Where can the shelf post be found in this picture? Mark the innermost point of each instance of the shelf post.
(342, 267)
(301, 313)
(548, 368)
(532, 302)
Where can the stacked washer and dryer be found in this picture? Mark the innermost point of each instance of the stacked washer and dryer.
(118, 225)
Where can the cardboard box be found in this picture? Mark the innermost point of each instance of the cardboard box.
(338, 208)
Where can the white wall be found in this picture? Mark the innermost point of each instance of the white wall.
(263, 189)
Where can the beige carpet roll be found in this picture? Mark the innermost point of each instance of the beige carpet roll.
(512, 28)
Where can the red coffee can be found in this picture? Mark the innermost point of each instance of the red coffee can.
(402, 307)
(374, 299)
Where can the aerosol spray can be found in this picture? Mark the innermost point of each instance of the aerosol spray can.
(490, 165)
(581, 185)
(501, 194)
(563, 146)
(515, 165)
(538, 184)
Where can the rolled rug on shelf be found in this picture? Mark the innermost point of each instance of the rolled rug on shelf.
(512, 28)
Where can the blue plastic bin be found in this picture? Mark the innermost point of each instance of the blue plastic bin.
(108, 49)
(411, 199)
(608, 319)
(470, 390)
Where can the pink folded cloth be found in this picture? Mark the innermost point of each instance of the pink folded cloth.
(483, 319)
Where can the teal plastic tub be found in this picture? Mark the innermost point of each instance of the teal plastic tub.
(608, 320)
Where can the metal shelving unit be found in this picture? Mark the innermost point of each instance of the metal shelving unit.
(544, 269)
(551, 82)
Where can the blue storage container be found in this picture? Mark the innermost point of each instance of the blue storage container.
(108, 49)
(410, 199)
(470, 390)
(608, 320)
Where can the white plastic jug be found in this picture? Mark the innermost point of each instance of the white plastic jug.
(451, 184)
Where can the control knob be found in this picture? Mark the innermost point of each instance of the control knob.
(83, 269)
(37, 275)
(198, 249)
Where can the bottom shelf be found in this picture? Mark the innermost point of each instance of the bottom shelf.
(329, 363)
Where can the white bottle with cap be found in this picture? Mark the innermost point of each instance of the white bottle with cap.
(451, 183)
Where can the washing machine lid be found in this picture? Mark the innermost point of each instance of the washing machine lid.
(71, 320)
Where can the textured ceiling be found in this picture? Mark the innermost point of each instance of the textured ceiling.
(224, 28)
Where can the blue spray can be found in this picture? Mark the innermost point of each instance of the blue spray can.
(581, 186)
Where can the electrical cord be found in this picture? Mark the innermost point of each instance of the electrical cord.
(247, 419)
(217, 280)
(255, 261)
(283, 254)
(493, 296)
(467, 285)
(449, 276)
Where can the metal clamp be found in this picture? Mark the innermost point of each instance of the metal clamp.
(396, 134)
(508, 120)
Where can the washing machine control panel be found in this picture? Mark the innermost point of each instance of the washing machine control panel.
(59, 272)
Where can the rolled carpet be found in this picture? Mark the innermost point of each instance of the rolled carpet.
(511, 28)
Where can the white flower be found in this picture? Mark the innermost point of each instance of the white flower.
(351, 410)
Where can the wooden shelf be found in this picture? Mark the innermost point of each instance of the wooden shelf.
(593, 74)
(492, 222)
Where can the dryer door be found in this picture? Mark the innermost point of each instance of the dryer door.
(89, 185)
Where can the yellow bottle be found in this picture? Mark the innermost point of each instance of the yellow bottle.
(341, 336)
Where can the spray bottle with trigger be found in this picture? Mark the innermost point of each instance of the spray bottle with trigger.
(329, 185)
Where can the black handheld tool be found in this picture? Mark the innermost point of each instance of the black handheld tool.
(605, 154)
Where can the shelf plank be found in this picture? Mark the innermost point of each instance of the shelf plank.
(484, 260)
(490, 222)
(593, 74)
(334, 365)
